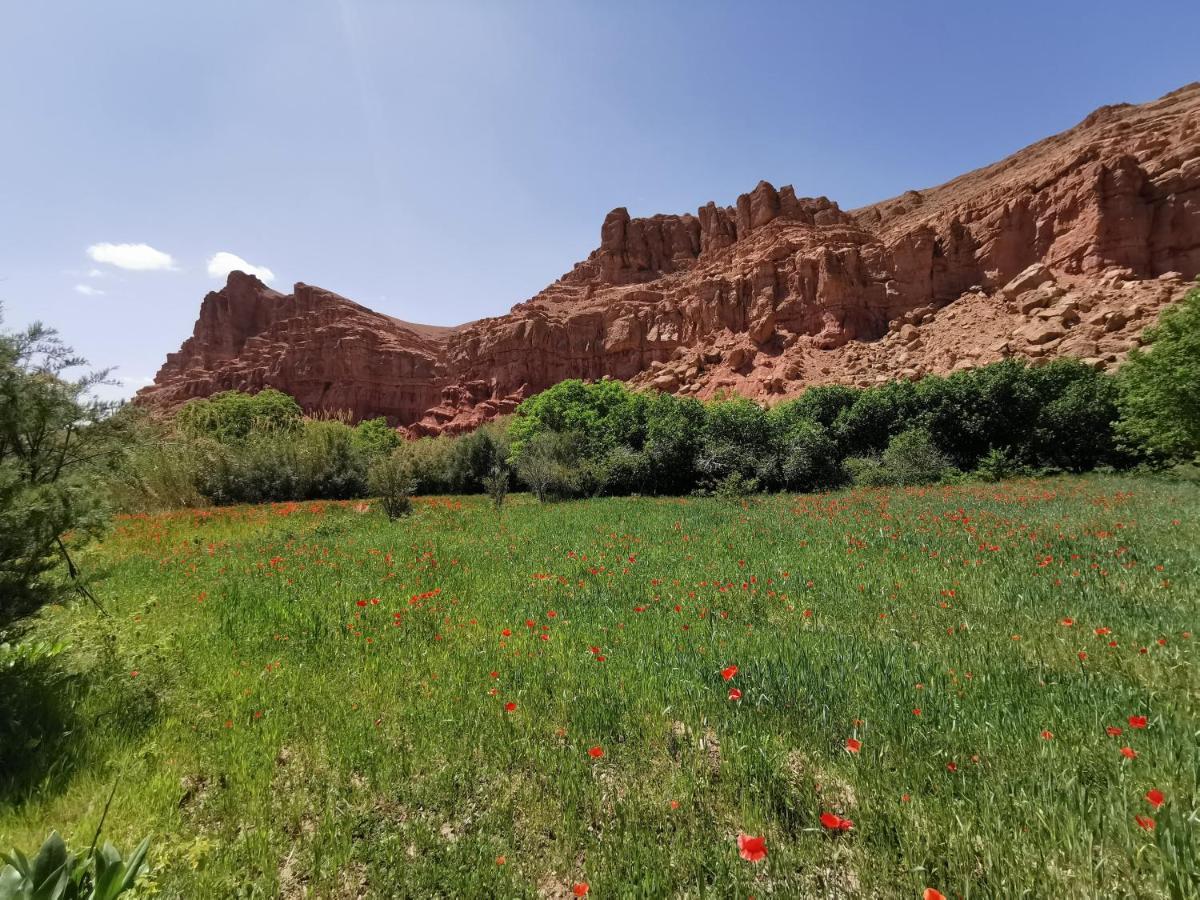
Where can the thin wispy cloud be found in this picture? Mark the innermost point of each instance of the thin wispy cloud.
(224, 262)
(134, 257)
(88, 291)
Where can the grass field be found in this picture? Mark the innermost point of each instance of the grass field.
(307, 700)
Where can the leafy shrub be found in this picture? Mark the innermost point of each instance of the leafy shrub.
(1160, 386)
(911, 457)
(998, 464)
(810, 460)
(374, 438)
(735, 487)
(552, 466)
(232, 416)
(55, 873)
(391, 480)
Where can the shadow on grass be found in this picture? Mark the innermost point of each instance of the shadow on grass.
(40, 725)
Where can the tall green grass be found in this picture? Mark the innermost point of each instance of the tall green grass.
(285, 732)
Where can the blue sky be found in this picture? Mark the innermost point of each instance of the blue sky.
(442, 161)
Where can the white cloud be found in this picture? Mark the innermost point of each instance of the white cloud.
(221, 264)
(88, 291)
(95, 273)
(138, 257)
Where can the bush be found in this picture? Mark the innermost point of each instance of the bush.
(552, 466)
(375, 438)
(391, 480)
(810, 460)
(911, 457)
(233, 415)
(1160, 386)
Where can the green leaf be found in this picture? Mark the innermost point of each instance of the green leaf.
(11, 883)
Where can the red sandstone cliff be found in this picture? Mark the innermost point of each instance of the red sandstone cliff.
(1068, 247)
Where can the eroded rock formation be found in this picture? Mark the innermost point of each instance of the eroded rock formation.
(1068, 247)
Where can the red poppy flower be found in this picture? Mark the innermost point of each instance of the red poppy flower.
(1155, 797)
(1129, 753)
(595, 752)
(1047, 735)
(580, 889)
(735, 694)
(1137, 721)
(500, 860)
(507, 632)
(752, 849)
(1144, 822)
(360, 603)
(835, 823)
(932, 894)
(510, 706)
(728, 672)
(952, 767)
(1114, 730)
(494, 674)
(133, 674)
(853, 745)
(917, 711)
(1068, 621)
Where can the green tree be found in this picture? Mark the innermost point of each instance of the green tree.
(54, 442)
(1160, 386)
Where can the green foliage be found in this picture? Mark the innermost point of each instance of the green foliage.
(374, 438)
(911, 457)
(232, 416)
(55, 873)
(391, 480)
(55, 439)
(810, 460)
(552, 465)
(1160, 386)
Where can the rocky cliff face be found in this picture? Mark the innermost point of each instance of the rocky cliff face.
(1068, 247)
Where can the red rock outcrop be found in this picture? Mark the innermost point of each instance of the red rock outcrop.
(1068, 247)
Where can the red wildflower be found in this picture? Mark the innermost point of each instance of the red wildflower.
(728, 672)
(735, 694)
(360, 603)
(1047, 735)
(952, 767)
(500, 860)
(1137, 721)
(932, 894)
(507, 632)
(835, 823)
(595, 752)
(853, 745)
(917, 711)
(1114, 730)
(1068, 621)
(510, 706)
(752, 849)
(1155, 797)
(1129, 753)
(1144, 822)
(134, 674)
(580, 889)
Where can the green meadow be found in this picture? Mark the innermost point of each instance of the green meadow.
(989, 690)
